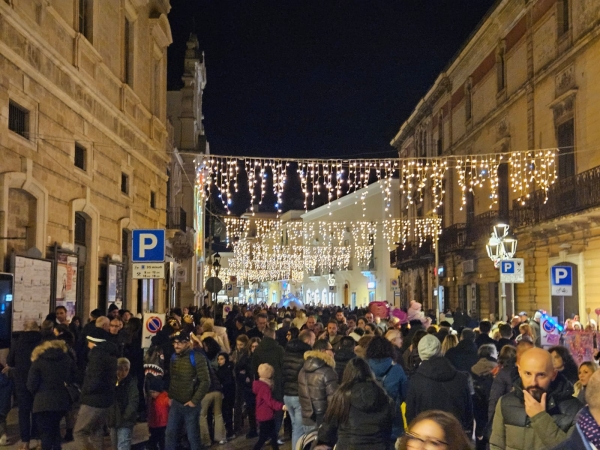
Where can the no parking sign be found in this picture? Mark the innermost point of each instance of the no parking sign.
(153, 323)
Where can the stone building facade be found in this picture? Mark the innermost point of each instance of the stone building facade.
(84, 139)
(526, 79)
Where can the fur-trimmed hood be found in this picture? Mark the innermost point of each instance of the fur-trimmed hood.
(315, 359)
(55, 346)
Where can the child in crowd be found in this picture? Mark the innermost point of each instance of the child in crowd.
(265, 406)
(123, 413)
(225, 375)
(158, 412)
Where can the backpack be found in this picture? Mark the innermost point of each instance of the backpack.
(215, 384)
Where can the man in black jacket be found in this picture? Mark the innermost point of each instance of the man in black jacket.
(98, 390)
(293, 360)
(464, 355)
(485, 326)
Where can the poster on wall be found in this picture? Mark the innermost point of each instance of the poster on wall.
(580, 345)
(114, 293)
(33, 289)
(66, 282)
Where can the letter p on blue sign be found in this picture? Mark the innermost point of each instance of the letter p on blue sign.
(508, 267)
(148, 246)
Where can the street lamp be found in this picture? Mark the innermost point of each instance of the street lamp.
(217, 263)
(502, 245)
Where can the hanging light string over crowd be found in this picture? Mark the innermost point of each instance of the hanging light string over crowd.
(334, 178)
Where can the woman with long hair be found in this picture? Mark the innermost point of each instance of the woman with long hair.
(434, 429)
(360, 414)
(449, 342)
(564, 363)
(526, 333)
(586, 370)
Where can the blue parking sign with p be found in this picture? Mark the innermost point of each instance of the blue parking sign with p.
(562, 276)
(508, 266)
(148, 246)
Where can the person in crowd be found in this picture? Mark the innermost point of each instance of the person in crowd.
(331, 334)
(300, 320)
(505, 337)
(238, 329)
(131, 339)
(361, 323)
(293, 360)
(525, 333)
(485, 327)
(450, 341)
(281, 335)
(344, 352)
(507, 376)
(208, 330)
(18, 364)
(158, 413)
(98, 390)
(360, 415)
(444, 330)
(113, 311)
(434, 429)
(564, 363)
(225, 375)
(342, 326)
(395, 337)
(362, 344)
(482, 374)
(240, 348)
(76, 327)
(189, 383)
(260, 326)
(372, 329)
(123, 413)
(586, 433)
(411, 354)
(240, 345)
(464, 355)
(351, 323)
(540, 412)
(61, 315)
(391, 376)
(244, 377)
(51, 370)
(436, 384)
(317, 381)
(266, 406)
(586, 370)
(211, 348)
(311, 322)
(535, 328)
(213, 399)
(292, 333)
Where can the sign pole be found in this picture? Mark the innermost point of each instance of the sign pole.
(562, 309)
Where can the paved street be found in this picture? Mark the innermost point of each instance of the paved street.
(140, 436)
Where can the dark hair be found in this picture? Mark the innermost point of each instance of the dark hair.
(176, 312)
(357, 371)
(431, 329)
(507, 356)
(249, 344)
(333, 321)
(487, 351)
(417, 337)
(374, 328)
(65, 334)
(322, 344)
(262, 316)
(380, 348)
(295, 332)
(359, 331)
(60, 307)
(211, 347)
(225, 355)
(467, 334)
(485, 326)
(346, 343)
(570, 371)
(361, 318)
(351, 317)
(505, 331)
(454, 436)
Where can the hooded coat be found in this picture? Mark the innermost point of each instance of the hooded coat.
(270, 352)
(100, 379)
(123, 413)
(514, 430)
(293, 360)
(265, 403)
(317, 381)
(369, 424)
(342, 356)
(19, 357)
(438, 385)
(395, 383)
(463, 356)
(51, 368)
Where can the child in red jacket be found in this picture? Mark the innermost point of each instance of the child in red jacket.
(265, 405)
(158, 412)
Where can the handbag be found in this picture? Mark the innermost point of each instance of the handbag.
(73, 391)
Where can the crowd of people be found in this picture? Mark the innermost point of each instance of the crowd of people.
(328, 377)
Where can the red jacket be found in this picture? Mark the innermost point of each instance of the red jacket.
(158, 410)
(265, 404)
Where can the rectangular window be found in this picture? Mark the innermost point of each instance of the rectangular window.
(128, 51)
(468, 102)
(566, 145)
(124, 183)
(80, 156)
(85, 16)
(152, 199)
(563, 17)
(156, 86)
(18, 119)
(500, 70)
(470, 206)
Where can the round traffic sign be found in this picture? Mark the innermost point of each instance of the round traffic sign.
(213, 284)
(153, 324)
(548, 326)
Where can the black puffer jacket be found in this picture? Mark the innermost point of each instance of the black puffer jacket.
(317, 381)
(293, 360)
(463, 356)
(51, 368)
(438, 385)
(369, 424)
(19, 357)
(100, 379)
(341, 360)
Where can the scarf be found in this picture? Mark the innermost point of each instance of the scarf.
(589, 427)
(267, 381)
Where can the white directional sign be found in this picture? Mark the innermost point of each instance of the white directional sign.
(148, 270)
(512, 270)
(562, 280)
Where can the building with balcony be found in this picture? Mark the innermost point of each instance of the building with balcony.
(185, 207)
(526, 79)
(83, 144)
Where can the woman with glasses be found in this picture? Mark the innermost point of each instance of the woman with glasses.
(434, 430)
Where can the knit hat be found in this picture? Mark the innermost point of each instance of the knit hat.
(537, 315)
(429, 347)
(112, 307)
(265, 371)
(154, 383)
(97, 335)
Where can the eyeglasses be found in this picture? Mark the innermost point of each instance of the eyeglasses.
(417, 442)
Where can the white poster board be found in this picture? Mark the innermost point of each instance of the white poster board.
(33, 289)
(152, 324)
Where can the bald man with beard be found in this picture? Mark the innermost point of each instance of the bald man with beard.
(540, 412)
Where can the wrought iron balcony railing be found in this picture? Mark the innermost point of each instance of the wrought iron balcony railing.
(176, 218)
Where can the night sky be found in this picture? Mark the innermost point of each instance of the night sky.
(316, 78)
